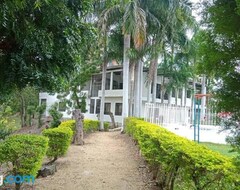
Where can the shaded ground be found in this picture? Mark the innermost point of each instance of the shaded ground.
(108, 161)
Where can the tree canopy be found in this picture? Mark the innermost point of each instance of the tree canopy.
(219, 57)
(41, 45)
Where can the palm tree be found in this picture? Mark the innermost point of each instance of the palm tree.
(133, 26)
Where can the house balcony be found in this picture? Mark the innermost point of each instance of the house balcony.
(111, 93)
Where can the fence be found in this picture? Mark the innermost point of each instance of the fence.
(164, 114)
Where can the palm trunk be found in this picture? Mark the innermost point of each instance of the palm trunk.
(193, 97)
(132, 66)
(170, 97)
(137, 90)
(176, 96)
(140, 87)
(102, 106)
(149, 92)
(155, 81)
(125, 79)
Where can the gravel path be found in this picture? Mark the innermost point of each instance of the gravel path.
(107, 161)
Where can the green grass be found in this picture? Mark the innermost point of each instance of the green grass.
(223, 149)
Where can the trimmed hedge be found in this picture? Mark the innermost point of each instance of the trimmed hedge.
(24, 152)
(181, 163)
(59, 141)
(88, 125)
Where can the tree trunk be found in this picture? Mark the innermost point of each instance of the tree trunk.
(203, 102)
(78, 116)
(113, 120)
(170, 97)
(125, 79)
(140, 87)
(163, 90)
(104, 72)
(176, 96)
(193, 97)
(149, 92)
(154, 82)
(137, 90)
(132, 66)
(23, 111)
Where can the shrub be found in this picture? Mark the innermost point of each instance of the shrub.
(106, 126)
(7, 124)
(88, 125)
(68, 123)
(24, 152)
(180, 161)
(59, 141)
(56, 115)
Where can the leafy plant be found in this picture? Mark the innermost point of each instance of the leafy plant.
(24, 153)
(59, 141)
(40, 110)
(56, 115)
(177, 159)
(7, 124)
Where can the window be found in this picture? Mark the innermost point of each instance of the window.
(189, 93)
(117, 80)
(43, 101)
(62, 106)
(92, 104)
(98, 104)
(107, 108)
(173, 93)
(180, 93)
(118, 109)
(108, 81)
(96, 85)
(158, 92)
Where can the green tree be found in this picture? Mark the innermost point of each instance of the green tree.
(219, 57)
(40, 41)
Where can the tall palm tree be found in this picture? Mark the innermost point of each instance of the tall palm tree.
(133, 26)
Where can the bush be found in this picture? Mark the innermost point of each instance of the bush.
(181, 162)
(7, 124)
(24, 152)
(56, 115)
(59, 141)
(106, 126)
(88, 125)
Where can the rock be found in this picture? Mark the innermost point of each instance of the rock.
(47, 170)
(115, 129)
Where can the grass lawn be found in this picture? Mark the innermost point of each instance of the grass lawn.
(223, 149)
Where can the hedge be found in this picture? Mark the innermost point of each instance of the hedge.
(59, 141)
(88, 125)
(181, 163)
(24, 152)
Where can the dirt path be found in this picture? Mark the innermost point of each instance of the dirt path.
(107, 161)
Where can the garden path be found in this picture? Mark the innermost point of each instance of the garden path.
(107, 161)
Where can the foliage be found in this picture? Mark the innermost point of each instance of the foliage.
(219, 53)
(41, 41)
(40, 110)
(180, 161)
(7, 124)
(25, 153)
(56, 115)
(59, 141)
(88, 125)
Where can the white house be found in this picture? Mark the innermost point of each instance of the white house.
(114, 95)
